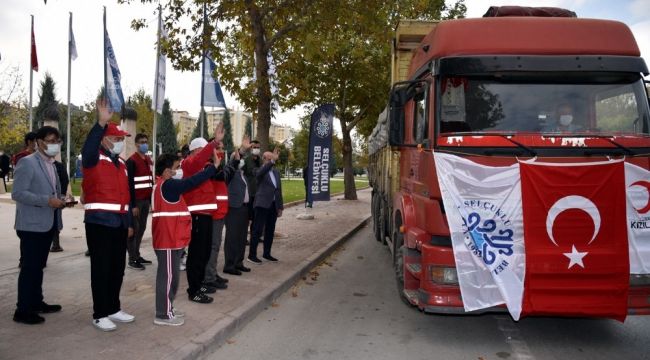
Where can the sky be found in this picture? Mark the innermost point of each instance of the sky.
(136, 53)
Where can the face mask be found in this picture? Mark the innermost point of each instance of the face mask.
(143, 148)
(178, 175)
(565, 120)
(255, 151)
(52, 150)
(117, 147)
(241, 164)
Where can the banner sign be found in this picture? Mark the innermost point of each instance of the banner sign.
(212, 95)
(547, 238)
(113, 77)
(320, 153)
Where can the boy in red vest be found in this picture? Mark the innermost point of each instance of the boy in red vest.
(171, 228)
(140, 184)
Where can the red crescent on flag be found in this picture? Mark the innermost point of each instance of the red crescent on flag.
(646, 185)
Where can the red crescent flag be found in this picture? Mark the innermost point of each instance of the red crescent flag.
(34, 56)
(577, 258)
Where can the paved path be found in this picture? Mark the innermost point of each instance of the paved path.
(70, 334)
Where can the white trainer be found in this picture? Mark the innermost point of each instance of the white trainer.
(122, 317)
(174, 321)
(178, 313)
(104, 324)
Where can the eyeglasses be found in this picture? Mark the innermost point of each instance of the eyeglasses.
(53, 141)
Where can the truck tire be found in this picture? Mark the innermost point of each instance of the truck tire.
(398, 261)
(376, 220)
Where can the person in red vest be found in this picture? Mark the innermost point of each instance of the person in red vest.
(171, 229)
(211, 278)
(30, 147)
(107, 217)
(139, 167)
(201, 203)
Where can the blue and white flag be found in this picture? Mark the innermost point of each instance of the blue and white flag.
(72, 44)
(273, 83)
(320, 153)
(160, 82)
(113, 87)
(212, 95)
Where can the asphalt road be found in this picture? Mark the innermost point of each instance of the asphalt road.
(348, 308)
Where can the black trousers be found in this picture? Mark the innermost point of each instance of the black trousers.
(198, 251)
(107, 246)
(139, 226)
(264, 221)
(34, 249)
(236, 229)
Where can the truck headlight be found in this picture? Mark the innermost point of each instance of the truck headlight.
(443, 275)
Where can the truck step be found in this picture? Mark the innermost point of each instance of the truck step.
(412, 296)
(415, 269)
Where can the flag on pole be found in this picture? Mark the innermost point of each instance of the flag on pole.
(212, 95)
(72, 45)
(34, 56)
(160, 82)
(113, 76)
(320, 153)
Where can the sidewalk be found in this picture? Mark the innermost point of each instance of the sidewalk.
(70, 334)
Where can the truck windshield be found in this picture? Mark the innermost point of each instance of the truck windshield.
(539, 105)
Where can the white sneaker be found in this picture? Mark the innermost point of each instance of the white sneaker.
(174, 321)
(183, 267)
(104, 324)
(178, 313)
(122, 317)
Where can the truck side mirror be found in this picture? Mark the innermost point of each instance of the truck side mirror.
(398, 98)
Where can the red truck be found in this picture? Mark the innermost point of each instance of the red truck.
(496, 90)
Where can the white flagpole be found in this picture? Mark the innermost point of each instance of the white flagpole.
(155, 90)
(31, 75)
(67, 144)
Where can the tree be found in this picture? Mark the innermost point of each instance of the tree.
(46, 100)
(13, 113)
(249, 128)
(166, 131)
(227, 127)
(141, 103)
(346, 61)
(197, 131)
(248, 30)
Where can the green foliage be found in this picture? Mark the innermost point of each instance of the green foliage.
(227, 127)
(46, 100)
(197, 130)
(166, 131)
(141, 103)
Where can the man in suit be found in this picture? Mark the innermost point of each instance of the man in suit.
(267, 206)
(237, 216)
(38, 217)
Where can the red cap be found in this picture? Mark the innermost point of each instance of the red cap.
(114, 130)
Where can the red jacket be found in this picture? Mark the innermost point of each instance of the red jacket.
(201, 199)
(142, 176)
(221, 197)
(106, 186)
(171, 222)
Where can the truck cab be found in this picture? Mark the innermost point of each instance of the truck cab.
(495, 90)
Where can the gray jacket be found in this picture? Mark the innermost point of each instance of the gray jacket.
(267, 193)
(31, 192)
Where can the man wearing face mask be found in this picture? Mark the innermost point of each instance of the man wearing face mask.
(38, 217)
(107, 218)
(565, 120)
(139, 167)
(252, 161)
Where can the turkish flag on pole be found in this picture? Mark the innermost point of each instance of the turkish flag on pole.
(34, 56)
(577, 258)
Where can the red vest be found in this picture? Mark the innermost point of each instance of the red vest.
(171, 222)
(106, 187)
(221, 196)
(142, 176)
(200, 200)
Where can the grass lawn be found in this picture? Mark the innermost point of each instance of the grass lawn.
(292, 189)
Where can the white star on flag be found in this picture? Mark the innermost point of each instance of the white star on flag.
(575, 257)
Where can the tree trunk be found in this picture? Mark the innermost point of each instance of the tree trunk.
(261, 71)
(348, 173)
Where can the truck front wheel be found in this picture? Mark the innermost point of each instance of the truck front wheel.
(398, 260)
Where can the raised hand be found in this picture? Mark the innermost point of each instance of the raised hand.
(219, 132)
(276, 153)
(216, 158)
(103, 111)
(236, 155)
(246, 143)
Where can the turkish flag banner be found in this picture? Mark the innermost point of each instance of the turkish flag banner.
(577, 258)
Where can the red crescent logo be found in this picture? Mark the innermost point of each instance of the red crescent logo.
(646, 185)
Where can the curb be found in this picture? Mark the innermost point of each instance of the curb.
(234, 321)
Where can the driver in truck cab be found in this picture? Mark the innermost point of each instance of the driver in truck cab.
(564, 119)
